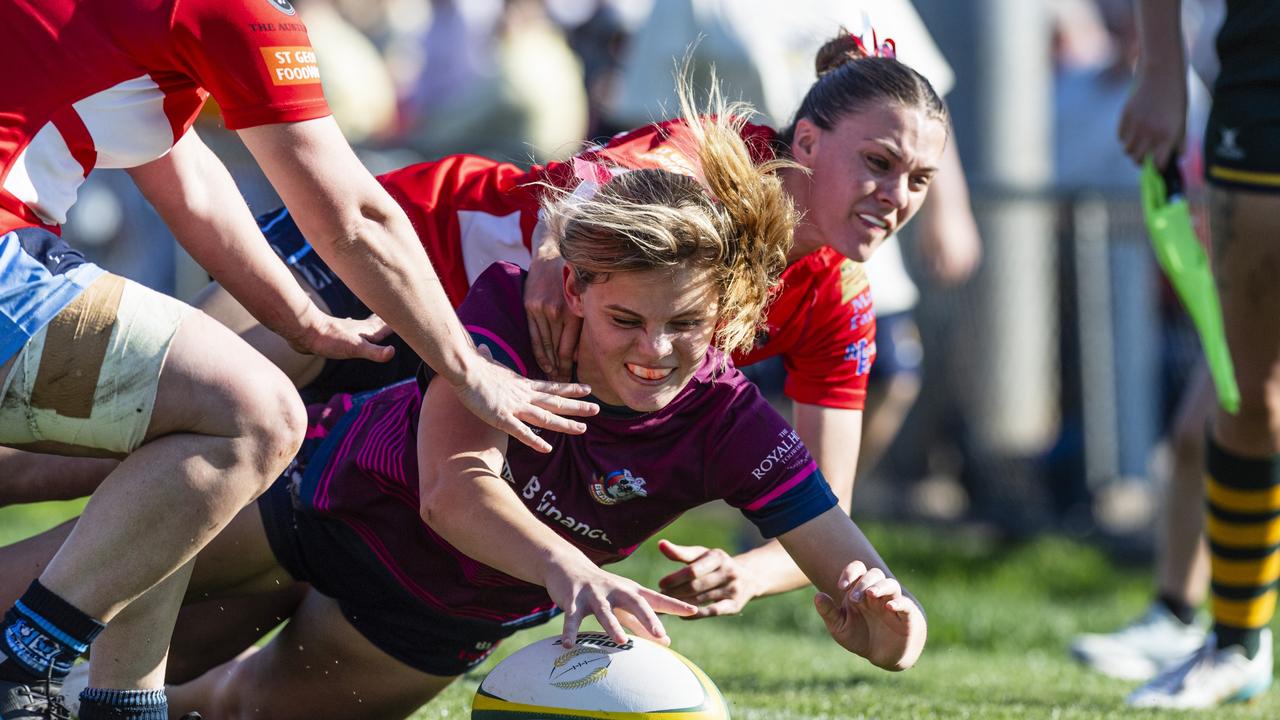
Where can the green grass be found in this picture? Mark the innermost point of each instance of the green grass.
(1000, 620)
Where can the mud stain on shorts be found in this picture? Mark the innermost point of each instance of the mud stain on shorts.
(76, 344)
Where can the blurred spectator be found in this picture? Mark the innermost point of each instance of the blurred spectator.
(356, 82)
(495, 78)
(1089, 162)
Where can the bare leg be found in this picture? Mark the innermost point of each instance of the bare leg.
(318, 666)
(224, 426)
(23, 561)
(1182, 568)
(36, 477)
(1247, 263)
(1244, 513)
(213, 632)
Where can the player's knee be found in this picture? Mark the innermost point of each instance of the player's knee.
(281, 424)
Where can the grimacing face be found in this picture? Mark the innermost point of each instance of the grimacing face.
(869, 174)
(644, 334)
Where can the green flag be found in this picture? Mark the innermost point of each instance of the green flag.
(1179, 252)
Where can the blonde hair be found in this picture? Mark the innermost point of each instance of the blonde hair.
(738, 226)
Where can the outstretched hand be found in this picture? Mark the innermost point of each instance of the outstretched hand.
(618, 603)
(873, 618)
(711, 579)
(343, 338)
(511, 402)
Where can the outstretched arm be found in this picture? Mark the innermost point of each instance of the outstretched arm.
(722, 584)
(863, 606)
(465, 500)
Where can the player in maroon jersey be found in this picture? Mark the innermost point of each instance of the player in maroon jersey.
(428, 538)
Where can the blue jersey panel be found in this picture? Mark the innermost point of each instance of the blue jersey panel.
(801, 503)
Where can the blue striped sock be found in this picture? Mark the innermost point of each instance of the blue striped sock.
(43, 632)
(102, 704)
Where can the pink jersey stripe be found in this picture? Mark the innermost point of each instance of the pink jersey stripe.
(786, 485)
(502, 344)
(321, 500)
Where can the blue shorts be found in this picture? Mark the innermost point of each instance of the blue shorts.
(337, 376)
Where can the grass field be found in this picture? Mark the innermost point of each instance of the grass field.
(1000, 620)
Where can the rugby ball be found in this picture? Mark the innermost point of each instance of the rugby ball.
(597, 678)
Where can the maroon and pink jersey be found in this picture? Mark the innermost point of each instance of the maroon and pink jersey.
(470, 212)
(605, 491)
(116, 83)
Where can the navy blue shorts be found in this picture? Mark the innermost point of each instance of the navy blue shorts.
(1242, 140)
(333, 559)
(337, 376)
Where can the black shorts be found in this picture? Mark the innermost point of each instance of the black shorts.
(333, 559)
(337, 376)
(1242, 139)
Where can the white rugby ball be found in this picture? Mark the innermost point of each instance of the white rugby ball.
(598, 678)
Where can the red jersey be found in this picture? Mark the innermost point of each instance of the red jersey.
(116, 83)
(470, 212)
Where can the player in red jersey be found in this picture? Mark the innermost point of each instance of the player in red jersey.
(93, 364)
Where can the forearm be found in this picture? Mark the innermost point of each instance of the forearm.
(833, 437)
(381, 260)
(825, 545)
(365, 237)
(1160, 36)
(199, 201)
(477, 513)
(463, 498)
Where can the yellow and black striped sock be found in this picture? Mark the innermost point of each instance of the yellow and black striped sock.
(1243, 525)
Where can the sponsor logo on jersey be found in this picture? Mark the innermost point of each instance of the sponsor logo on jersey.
(291, 64)
(853, 281)
(617, 486)
(283, 6)
(863, 353)
(667, 158)
(781, 454)
(1229, 144)
(552, 514)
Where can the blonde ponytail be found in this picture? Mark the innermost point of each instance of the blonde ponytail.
(738, 226)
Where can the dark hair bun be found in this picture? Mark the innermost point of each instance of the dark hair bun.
(838, 52)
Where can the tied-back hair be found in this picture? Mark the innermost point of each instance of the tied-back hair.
(850, 81)
(738, 226)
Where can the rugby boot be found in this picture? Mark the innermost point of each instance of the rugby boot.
(40, 701)
(1210, 677)
(1142, 648)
